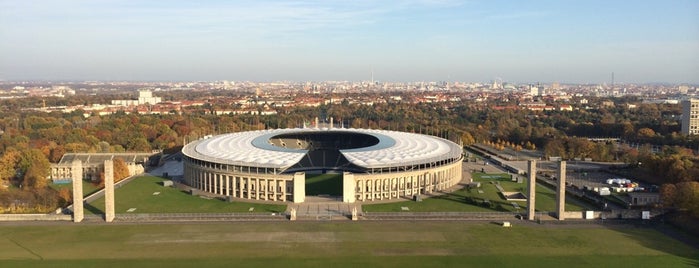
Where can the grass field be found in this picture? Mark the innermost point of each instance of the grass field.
(88, 187)
(465, 200)
(329, 183)
(339, 244)
(140, 194)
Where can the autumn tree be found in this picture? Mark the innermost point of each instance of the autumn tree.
(121, 170)
(8, 165)
(467, 139)
(34, 167)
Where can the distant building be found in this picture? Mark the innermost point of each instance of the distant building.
(144, 97)
(93, 164)
(556, 86)
(690, 117)
(644, 199)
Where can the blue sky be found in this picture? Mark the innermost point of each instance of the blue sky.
(410, 40)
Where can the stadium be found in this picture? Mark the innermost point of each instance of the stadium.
(271, 164)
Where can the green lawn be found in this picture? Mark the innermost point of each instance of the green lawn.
(339, 244)
(139, 194)
(88, 187)
(465, 200)
(319, 184)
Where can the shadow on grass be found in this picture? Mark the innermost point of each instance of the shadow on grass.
(636, 232)
(469, 200)
(273, 210)
(93, 209)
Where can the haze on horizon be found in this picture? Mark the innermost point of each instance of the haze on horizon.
(409, 40)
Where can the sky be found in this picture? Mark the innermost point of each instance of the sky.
(399, 41)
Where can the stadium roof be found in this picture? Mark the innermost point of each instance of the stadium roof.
(253, 148)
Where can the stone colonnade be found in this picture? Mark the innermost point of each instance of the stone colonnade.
(369, 187)
(291, 187)
(272, 187)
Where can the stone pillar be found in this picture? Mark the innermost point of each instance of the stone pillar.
(354, 214)
(292, 214)
(108, 190)
(214, 178)
(299, 187)
(228, 185)
(77, 172)
(531, 190)
(331, 122)
(257, 188)
(283, 186)
(561, 191)
(348, 187)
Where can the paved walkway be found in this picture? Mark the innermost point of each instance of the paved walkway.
(315, 206)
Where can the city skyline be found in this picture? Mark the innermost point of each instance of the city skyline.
(582, 42)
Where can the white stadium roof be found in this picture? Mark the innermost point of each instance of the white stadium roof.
(253, 148)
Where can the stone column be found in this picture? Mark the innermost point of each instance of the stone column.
(241, 187)
(77, 172)
(561, 191)
(275, 189)
(215, 178)
(299, 187)
(348, 187)
(531, 190)
(108, 190)
(283, 186)
(292, 214)
(257, 188)
(234, 188)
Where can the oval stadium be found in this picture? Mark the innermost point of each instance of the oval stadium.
(272, 165)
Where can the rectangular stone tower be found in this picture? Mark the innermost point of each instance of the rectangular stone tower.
(531, 190)
(348, 187)
(108, 190)
(299, 187)
(561, 191)
(76, 170)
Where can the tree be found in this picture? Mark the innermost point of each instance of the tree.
(65, 196)
(121, 170)
(35, 168)
(668, 193)
(103, 147)
(555, 147)
(645, 133)
(467, 139)
(8, 165)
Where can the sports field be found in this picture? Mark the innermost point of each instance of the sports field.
(324, 184)
(339, 244)
(147, 195)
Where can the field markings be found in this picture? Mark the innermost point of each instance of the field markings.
(25, 248)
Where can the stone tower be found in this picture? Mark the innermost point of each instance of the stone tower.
(77, 176)
(108, 190)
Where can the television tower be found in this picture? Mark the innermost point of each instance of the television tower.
(612, 81)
